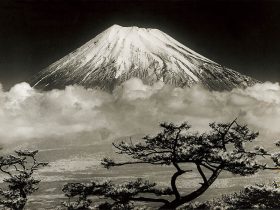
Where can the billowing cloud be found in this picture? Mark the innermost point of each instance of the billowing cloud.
(133, 108)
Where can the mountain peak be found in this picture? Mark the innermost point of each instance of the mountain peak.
(130, 30)
(116, 26)
(120, 53)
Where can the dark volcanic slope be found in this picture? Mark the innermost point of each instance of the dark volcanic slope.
(120, 53)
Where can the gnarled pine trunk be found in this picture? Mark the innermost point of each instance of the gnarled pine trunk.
(187, 198)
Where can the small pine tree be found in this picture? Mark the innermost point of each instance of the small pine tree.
(20, 182)
(118, 196)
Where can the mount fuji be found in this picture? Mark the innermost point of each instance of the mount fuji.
(120, 53)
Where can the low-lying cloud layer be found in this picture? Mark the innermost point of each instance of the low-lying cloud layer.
(133, 108)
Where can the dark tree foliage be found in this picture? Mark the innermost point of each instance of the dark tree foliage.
(254, 197)
(118, 196)
(276, 157)
(221, 149)
(19, 169)
(200, 206)
(260, 196)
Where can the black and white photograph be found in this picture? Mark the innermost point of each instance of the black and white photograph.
(139, 104)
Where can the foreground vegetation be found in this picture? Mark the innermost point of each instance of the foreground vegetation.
(223, 148)
(20, 182)
(258, 196)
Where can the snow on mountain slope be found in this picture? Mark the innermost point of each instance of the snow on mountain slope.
(120, 53)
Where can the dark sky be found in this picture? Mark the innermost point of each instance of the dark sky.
(243, 35)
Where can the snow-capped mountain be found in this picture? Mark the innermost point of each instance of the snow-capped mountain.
(120, 53)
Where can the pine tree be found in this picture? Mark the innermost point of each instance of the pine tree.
(20, 182)
(221, 149)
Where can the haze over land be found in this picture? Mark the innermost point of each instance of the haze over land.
(133, 108)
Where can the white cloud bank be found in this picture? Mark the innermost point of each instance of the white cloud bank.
(133, 108)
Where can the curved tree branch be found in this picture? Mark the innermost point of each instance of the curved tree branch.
(226, 132)
(201, 174)
(135, 162)
(159, 200)
(6, 172)
(187, 198)
(178, 173)
(208, 167)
